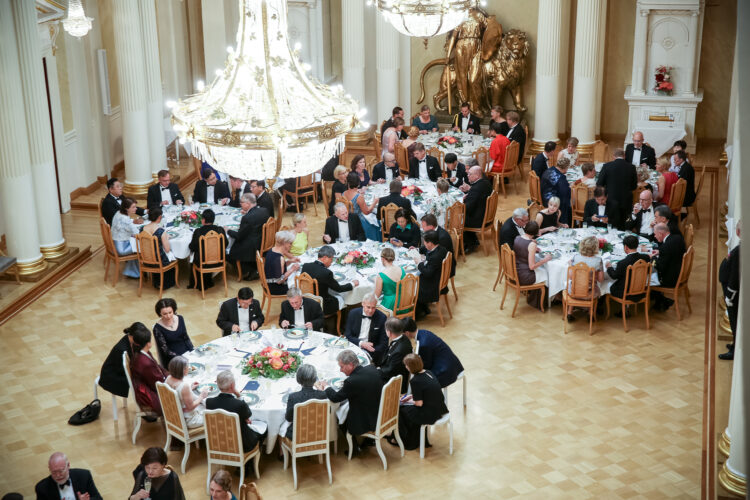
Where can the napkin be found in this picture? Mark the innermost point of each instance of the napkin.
(253, 385)
(307, 352)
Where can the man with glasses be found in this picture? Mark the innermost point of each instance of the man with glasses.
(386, 170)
(64, 483)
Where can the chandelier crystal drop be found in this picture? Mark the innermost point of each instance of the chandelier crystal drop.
(262, 117)
(425, 18)
(76, 24)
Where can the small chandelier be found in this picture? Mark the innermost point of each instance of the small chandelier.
(76, 24)
(262, 117)
(425, 18)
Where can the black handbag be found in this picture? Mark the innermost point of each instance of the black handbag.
(87, 414)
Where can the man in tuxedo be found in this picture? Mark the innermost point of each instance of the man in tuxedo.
(398, 112)
(262, 198)
(516, 133)
(207, 220)
(238, 188)
(513, 227)
(429, 274)
(365, 327)
(729, 277)
(164, 192)
(398, 347)
(601, 210)
(667, 264)
(211, 190)
(242, 314)
(540, 164)
(639, 153)
(455, 169)
(620, 179)
(618, 273)
(436, 355)
(662, 214)
(641, 221)
(111, 203)
(688, 173)
(429, 223)
(65, 483)
(465, 121)
(395, 197)
(423, 166)
(319, 270)
(297, 310)
(677, 146)
(248, 238)
(341, 227)
(229, 400)
(387, 170)
(477, 190)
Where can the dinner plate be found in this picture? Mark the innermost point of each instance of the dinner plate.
(233, 227)
(410, 268)
(336, 342)
(237, 217)
(250, 398)
(206, 348)
(337, 383)
(353, 244)
(543, 242)
(213, 389)
(203, 206)
(173, 234)
(295, 333)
(250, 335)
(339, 276)
(362, 360)
(196, 368)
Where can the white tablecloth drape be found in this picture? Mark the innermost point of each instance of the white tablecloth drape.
(469, 143)
(420, 207)
(660, 135)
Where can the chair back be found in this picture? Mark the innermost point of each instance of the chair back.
(211, 250)
(305, 182)
(533, 209)
(388, 313)
(455, 240)
(677, 196)
(482, 156)
(260, 263)
(269, 235)
(637, 278)
(378, 145)
(445, 271)
(439, 154)
(109, 245)
(388, 411)
(311, 426)
(699, 184)
(326, 191)
(342, 199)
(580, 197)
(582, 280)
(407, 290)
(601, 152)
(307, 284)
(508, 264)
(511, 157)
(490, 210)
(148, 251)
(387, 218)
(128, 375)
(687, 267)
(249, 491)
(535, 187)
(223, 437)
(174, 418)
(402, 158)
(316, 298)
(689, 233)
(455, 217)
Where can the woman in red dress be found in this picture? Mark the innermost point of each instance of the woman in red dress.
(666, 179)
(145, 372)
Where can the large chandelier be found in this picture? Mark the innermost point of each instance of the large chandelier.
(262, 117)
(425, 18)
(76, 24)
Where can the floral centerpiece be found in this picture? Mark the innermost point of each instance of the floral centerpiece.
(271, 362)
(358, 258)
(412, 190)
(663, 80)
(448, 141)
(189, 217)
(604, 246)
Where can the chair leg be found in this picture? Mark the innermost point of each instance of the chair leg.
(461, 244)
(224, 275)
(499, 277)
(185, 457)
(505, 292)
(242, 476)
(96, 387)
(257, 463)
(208, 476)
(161, 284)
(624, 314)
(294, 471)
(328, 466)
(645, 306)
(592, 311)
(448, 306)
(398, 440)
(463, 393)
(137, 427)
(203, 292)
(515, 306)
(440, 313)
(676, 306)
(285, 453)
(349, 442)
(421, 440)
(450, 433)
(106, 267)
(239, 270)
(114, 407)
(338, 322)
(541, 302)
(453, 286)
(687, 299)
(565, 315)
(484, 241)
(379, 448)
(117, 273)
(606, 303)
(166, 445)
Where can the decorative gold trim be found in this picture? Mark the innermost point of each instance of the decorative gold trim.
(54, 251)
(725, 325)
(723, 159)
(538, 147)
(586, 149)
(660, 118)
(360, 137)
(722, 303)
(724, 444)
(27, 268)
(732, 482)
(135, 190)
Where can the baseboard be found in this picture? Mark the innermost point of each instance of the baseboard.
(82, 191)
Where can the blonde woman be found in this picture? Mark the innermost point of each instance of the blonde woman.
(441, 204)
(386, 280)
(588, 253)
(276, 269)
(549, 218)
(339, 185)
(301, 232)
(391, 135)
(191, 405)
(570, 152)
(666, 179)
(413, 133)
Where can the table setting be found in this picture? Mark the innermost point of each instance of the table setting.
(574, 173)
(460, 143)
(422, 194)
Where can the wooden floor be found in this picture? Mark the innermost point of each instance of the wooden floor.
(613, 415)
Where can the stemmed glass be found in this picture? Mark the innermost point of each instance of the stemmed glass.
(147, 484)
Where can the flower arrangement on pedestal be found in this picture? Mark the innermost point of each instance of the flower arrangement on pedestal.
(412, 190)
(357, 258)
(271, 362)
(190, 217)
(663, 80)
(449, 140)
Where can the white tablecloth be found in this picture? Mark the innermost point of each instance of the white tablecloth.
(470, 143)
(229, 353)
(660, 135)
(429, 195)
(574, 173)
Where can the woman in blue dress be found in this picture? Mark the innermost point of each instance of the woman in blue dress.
(154, 229)
(424, 121)
(360, 207)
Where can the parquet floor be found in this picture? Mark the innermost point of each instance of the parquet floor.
(613, 415)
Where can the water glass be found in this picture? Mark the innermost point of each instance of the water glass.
(585, 225)
(609, 228)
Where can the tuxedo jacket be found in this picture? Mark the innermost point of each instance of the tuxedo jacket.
(236, 194)
(311, 310)
(445, 241)
(326, 282)
(201, 231)
(429, 275)
(611, 210)
(228, 315)
(378, 171)
(154, 194)
(620, 270)
(110, 207)
(508, 233)
(376, 334)
(438, 358)
(82, 482)
(393, 362)
(539, 165)
(265, 201)
(399, 201)
(620, 179)
(648, 155)
(362, 389)
(112, 377)
(687, 172)
(232, 404)
(633, 222)
(356, 232)
(669, 261)
(433, 168)
(474, 123)
(461, 175)
(200, 193)
(518, 134)
(475, 201)
(248, 238)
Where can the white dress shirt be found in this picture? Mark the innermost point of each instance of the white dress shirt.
(647, 217)
(601, 210)
(423, 169)
(299, 316)
(209, 194)
(510, 131)
(244, 318)
(343, 230)
(67, 492)
(464, 123)
(166, 194)
(364, 329)
(636, 156)
(388, 174)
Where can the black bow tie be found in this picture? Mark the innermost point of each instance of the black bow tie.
(63, 485)
(165, 188)
(637, 149)
(366, 317)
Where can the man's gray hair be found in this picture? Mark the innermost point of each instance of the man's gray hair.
(394, 326)
(370, 298)
(338, 206)
(225, 380)
(661, 227)
(471, 162)
(347, 357)
(326, 251)
(293, 292)
(306, 375)
(395, 186)
(389, 157)
(248, 198)
(520, 212)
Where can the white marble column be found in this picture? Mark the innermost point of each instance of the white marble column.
(589, 39)
(549, 31)
(39, 130)
(16, 183)
(693, 55)
(353, 51)
(640, 52)
(387, 63)
(135, 128)
(154, 100)
(405, 62)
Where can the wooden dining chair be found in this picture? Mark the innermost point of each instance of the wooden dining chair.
(149, 260)
(482, 156)
(438, 154)
(581, 194)
(325, 191)
(682, 283)
(677, 196)
(580, 291)
(378, 146)
(249, 491)
(305, 186)
(693, 209)
(407, 292)
(689, 234)
(174, 422)
(310, 435)
(533, 210)
(496, 243)
(308, 284)
(601, 152)
(511, 279)
(341, 199)
(402, 158)
(268, 238)
(211, 258)
(110, 254)
(455, 220)
(224, 443)
(535, 188)
(455, 242)
(637, 283)
(387, 218)
(509, 167)
(488, 222)
(445, 276)
(267, 295)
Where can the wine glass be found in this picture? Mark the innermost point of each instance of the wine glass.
(147, 484)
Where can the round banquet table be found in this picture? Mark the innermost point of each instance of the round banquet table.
(562, 245)
(365, 276)
(420, 207)
(267, 397)
(470, 143)
(574, 173)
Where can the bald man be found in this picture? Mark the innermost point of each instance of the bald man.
(639, 153)
(64, 483)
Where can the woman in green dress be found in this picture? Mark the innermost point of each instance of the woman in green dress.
(386, 281)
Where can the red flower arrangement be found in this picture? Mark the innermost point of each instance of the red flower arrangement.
(605, 245)
(271, 362)
(449, 140)
(412, 190)
(663, 80)
(358, 258)
(189, 217)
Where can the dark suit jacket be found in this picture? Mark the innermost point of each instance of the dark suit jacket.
(362, 388)
(461, 175)
(248, 238)
(619, 271)
(112, 377)
(539, 165)
(356, 232)
(410, 236)
(438, 358)
(648, 155)
(518, 134)
(687, 172)
(429, 275)
(445, 241)
(110, 207)
(633, 222)
(295, 398)
(397, 200)
(235, 201)
(378, 171)
(154, 194)
(311, 309)
(474, 123)
(620, 179)
(475, 201)
(326, 173)
(201, 231)
(393, 362)
(508, 233)
(326, 282)
(376, 334)
(221, 191)
(82, 482)
(228, 315)
(232, 404)
(669, 260)
(265, 201)
(611, 210)
(433, 168)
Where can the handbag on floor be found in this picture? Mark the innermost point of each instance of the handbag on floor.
(87, 414)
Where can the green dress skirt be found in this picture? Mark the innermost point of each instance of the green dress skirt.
(389, 291)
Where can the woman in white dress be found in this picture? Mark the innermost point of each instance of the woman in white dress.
(440, 205)
(570, 152)
(123, 228)
(391, 135)
(191, 405)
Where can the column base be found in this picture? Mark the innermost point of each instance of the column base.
(135, 190)
(724, 444)
(725, 325)
(33, 267)
(360, 136)
(732, 482)
(723, 159)
(54, 251)
(538, 146)
(586, 149)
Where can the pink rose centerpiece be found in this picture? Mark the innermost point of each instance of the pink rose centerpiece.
(271, 362)
(357, 258)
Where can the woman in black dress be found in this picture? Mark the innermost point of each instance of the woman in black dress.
(154, 229)
(549, 218)
(170, 332)
(339, 185)
(405, 232)
(153, 480)
(425, 405)
(275, 266)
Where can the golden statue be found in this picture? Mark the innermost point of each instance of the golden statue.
(480, 64)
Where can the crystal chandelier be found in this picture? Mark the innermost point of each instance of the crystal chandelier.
(76, 24)
(262, 117)
(425, 18)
